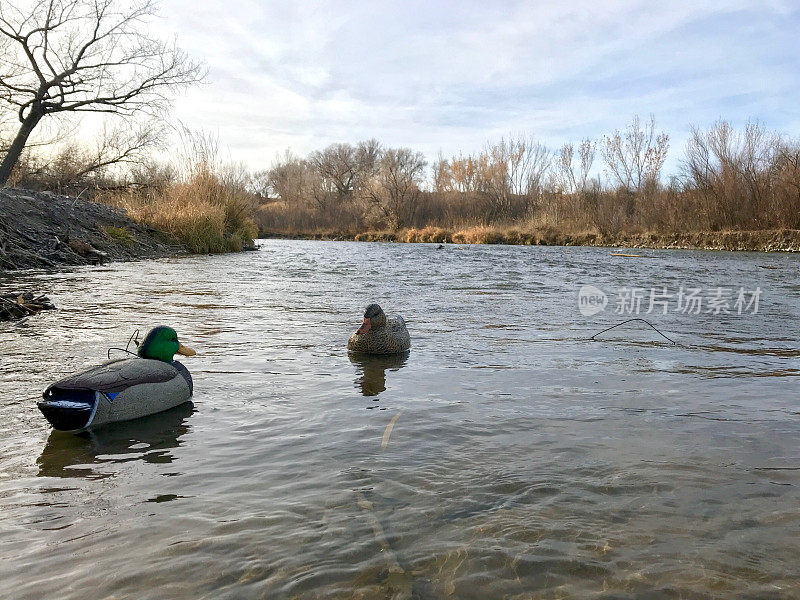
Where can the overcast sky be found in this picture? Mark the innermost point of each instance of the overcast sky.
(450, 75)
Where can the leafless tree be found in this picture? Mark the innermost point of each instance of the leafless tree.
(5, 129)
(573, 176)
(113, 147)
(788, 166)
(343, 168)
(395, 188)
(442, 175)
(635, 157)
(289, 178)
(586, 154)
(528, 162)
(151, 175)
(74, 56)
(464, 174)
(516, 166)
(734, 171)
(60, 130)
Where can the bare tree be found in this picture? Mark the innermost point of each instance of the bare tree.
(368, 154)
(734, 171)
(344, 168)
(564, 173)
(788, 166)
(151, 175)
(635, 157)
(586, 153)
(73, 56)
(464, 174)
(395, 189)
(528, 162)
(442, 175)
(60, 131)
(114, 146)
(571, 176)
(5, 127)
(288, 178)
(516, 166)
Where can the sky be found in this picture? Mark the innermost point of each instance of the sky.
(450, 76)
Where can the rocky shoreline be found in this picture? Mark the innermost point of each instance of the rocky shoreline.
(48, 230)
(784, 240)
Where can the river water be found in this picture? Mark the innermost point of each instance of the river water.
(507, 456)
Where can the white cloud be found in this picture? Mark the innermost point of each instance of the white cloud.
(452, 74)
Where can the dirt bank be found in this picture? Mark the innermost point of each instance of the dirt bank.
(46, 230)
(784, 240)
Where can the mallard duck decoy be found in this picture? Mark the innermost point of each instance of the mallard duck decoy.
(124, 389)
(380, 334)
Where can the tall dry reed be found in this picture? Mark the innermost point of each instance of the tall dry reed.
(207, 207)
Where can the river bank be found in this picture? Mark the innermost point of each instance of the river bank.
(48, 230)
(781, 240)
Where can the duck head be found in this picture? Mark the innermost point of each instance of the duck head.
(374, 318)
(161, 343)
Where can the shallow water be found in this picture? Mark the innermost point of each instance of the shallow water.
(523, 460)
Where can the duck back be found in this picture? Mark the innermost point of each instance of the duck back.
(393, 338)
(115, 391)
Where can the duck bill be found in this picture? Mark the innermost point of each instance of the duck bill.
(183, 350)
(364, 327)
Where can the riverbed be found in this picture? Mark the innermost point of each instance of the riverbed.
(508, 455)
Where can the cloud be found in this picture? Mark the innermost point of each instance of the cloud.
(451, 75)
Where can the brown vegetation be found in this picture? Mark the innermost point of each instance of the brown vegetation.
(203, 204)
(517, 191)
(736, 190)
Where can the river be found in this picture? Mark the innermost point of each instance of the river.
(507, 456)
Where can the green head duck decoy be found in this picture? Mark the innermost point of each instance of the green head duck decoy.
(380, 334)
(124, 389)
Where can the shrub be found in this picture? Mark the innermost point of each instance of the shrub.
(121, 235)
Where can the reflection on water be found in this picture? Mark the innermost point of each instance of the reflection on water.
(372, 369)
(512, 457)
(148, 439)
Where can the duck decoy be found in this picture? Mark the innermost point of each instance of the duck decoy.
(123, 389)
(380, 334)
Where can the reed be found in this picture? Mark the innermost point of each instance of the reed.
(206, 207)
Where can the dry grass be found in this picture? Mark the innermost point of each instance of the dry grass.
(759, 240)
(428, 234)
(204, 213)
(201, 203)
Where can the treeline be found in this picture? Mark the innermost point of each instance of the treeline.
(729, 179)
(746, 179)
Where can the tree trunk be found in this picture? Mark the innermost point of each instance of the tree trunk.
(18, 145)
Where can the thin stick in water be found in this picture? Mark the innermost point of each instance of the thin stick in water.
(653, 327)
(388, 432)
